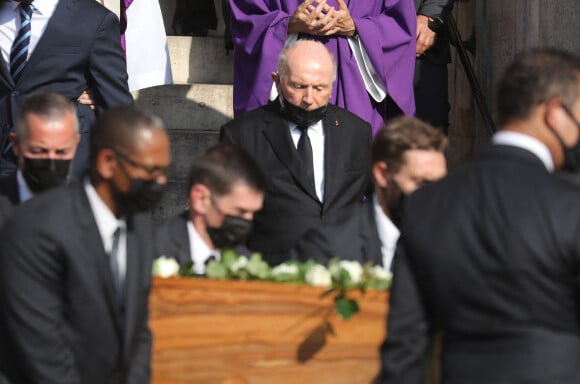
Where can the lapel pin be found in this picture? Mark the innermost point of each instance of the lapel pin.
(336, 123)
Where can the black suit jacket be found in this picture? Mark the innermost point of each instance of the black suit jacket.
(291, 206)
(354, 238)
(490, 259)
(60, 320)
(80, 48)
(5, 211)
(173, 240)
(9, 188)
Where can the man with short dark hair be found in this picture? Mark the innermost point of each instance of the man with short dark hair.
(314, 154)
(405, 155)
(226, 188)
(63, 46)
(75, 264)
(488, 257)
(44, 143)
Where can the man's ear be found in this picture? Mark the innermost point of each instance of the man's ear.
(554, 115)
(200, 199)
(380, 174)
(15, 144)
(106, 163)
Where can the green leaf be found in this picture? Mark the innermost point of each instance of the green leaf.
(258, 268)
(345, 307)
(186, 269)
(228, 257)
(216, 270)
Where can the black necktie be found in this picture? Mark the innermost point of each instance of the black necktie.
(304, 149)
(19, 51)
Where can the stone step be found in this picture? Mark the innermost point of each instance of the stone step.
(200, 60)
(193, 115)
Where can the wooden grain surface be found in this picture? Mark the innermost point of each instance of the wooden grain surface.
(208, 331)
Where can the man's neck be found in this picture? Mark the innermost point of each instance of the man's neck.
(200, 227)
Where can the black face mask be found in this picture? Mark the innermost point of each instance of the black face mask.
(143, 195)
(571, 154)
(43, 174)
(234, 231)
(302, 117)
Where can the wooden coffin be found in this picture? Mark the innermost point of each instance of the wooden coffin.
(209, 331)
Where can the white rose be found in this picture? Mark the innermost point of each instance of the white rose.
(379, 272)
(318, 276)
(285, 269)
(353, 268)
(165, 267)
(240, 263)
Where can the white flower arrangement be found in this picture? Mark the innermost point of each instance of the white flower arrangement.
(340, 275)
(165, 267)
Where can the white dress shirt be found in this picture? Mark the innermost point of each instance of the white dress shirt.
(10, 24)
(388, 234)
(199, 250)
(316, 135)
(107, 224)
(24, 193)
(526, 142)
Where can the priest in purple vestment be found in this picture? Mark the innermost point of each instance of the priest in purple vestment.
(373, 42)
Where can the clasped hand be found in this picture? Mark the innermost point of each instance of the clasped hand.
(315, 17)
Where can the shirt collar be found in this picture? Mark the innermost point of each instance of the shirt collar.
(43, 7)
(199, 250)
(388, 232)
(24, 193)
(529, 143)
(107, 223)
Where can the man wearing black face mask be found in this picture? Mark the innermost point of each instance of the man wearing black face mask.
(314, 153)
(75, 264)
(44, 143)
(488, 257)
(406, 154)
(226, 187)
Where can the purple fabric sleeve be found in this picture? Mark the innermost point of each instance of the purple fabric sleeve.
(387, 29)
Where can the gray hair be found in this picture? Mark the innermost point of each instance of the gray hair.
(49, 106)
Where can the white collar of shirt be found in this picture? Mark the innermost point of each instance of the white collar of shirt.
(316, 135)
(43, 11)
(199, 251)
(107, 224)
(24, 193)
(388, 234)
(529, 143)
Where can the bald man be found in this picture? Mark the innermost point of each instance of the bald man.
(314, 153)
(75, 264)
(45, 143)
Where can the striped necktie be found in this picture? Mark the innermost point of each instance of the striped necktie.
(19, 52)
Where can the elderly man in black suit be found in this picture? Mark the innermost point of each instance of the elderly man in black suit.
(226, 187)
(405, 155)
(314, 153)
(75, 264)
(73, 45)
(44, 143)
(489, 256)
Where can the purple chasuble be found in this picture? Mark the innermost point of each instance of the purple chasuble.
(386, 28)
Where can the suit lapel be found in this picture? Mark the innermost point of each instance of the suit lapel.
(132, 282)
(332, 157)
(285, 150)
(180, 237)
(5, 76)
(62, 15)
(91, 240)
